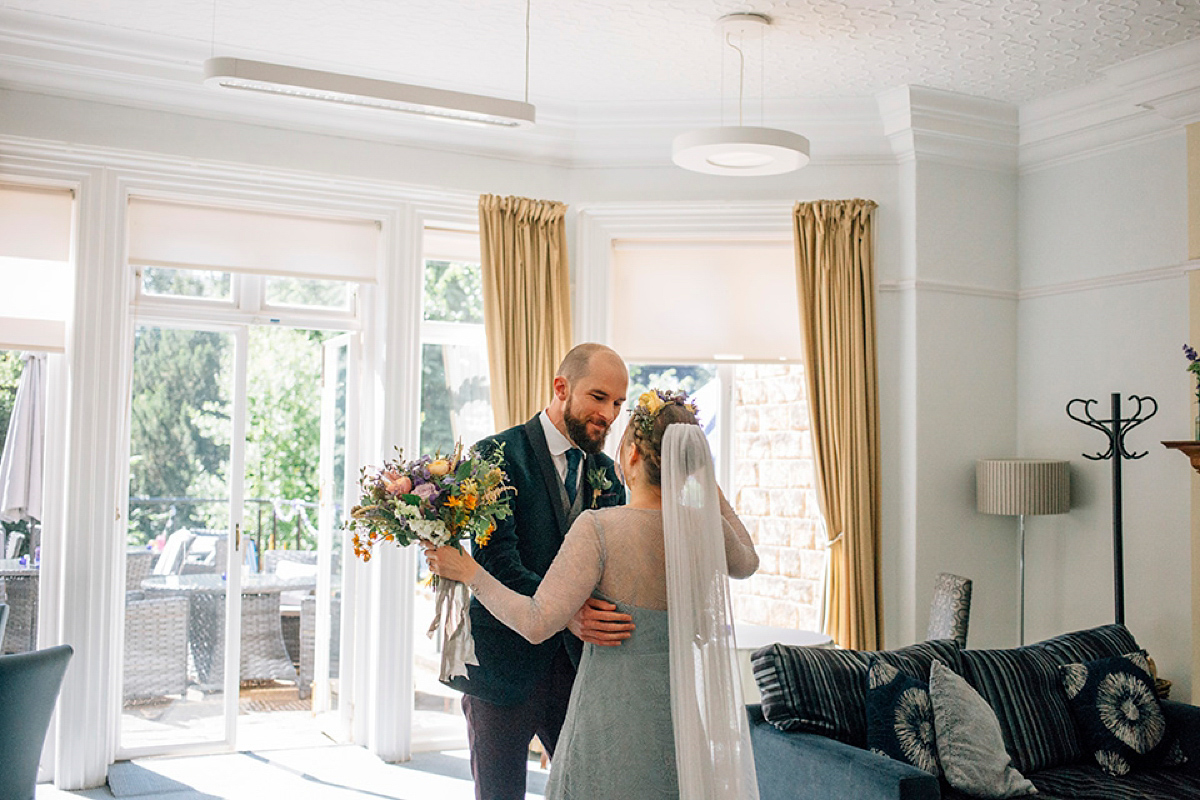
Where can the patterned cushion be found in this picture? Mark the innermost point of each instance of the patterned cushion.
(900, 717)
(1023, 687)
(1118, 714)
(950, 611)
(824, 690)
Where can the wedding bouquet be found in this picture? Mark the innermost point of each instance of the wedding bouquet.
(441, 500)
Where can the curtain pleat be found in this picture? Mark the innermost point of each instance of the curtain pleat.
(836, 285)
(526, 301)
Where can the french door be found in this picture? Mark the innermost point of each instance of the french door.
(218, 633)
(184, 548)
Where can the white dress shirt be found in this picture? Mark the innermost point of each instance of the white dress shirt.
(559, 445)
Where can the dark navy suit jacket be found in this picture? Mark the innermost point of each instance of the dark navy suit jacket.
(518, 555)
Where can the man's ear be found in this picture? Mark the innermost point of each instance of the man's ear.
(561, 387)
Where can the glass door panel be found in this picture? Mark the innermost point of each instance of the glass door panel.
(290, 556)
(339, 383)
(181, 428)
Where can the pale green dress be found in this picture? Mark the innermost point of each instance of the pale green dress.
(617, 742)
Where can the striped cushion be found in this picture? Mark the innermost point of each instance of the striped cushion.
(1089, 782)
(1023, 687)
(824, 691)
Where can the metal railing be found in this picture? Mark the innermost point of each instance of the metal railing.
(298, 512)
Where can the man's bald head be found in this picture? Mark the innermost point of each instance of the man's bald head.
(579, 362)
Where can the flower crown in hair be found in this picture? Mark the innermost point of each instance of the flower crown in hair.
(654, 401)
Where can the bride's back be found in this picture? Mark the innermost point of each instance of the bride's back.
(630, 541)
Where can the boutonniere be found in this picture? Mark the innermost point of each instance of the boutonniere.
(598, 479)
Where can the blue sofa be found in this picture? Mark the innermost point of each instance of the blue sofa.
(802, 753)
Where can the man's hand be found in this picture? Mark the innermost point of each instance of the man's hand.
(601, 624)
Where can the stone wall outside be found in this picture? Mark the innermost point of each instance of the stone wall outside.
(776, 498)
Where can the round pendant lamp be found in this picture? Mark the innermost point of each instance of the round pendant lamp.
(740, 149)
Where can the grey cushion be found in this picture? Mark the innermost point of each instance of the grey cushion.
(824, 691)
(970, 746)
(1023, 687)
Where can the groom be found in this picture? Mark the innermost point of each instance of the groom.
(555, 464)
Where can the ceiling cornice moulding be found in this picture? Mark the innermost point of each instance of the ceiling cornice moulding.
(924, 123)
(1141, 100)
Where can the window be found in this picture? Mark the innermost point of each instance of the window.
(742, 366)
(192, 283)
(456, 406)
(308, 293)
(456, 401)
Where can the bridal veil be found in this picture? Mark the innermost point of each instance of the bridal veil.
(712, 737)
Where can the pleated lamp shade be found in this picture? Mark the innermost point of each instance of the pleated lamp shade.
(1018, 486)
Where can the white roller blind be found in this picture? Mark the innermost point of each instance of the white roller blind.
(704, 302)
(35, 270)
(169, 234)
(447, 245)
(35, 222)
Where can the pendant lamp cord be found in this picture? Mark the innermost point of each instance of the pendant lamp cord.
(527, 4)
(741, 73)
(213, 38)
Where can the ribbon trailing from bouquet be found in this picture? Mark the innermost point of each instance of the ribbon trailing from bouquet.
(451, 618)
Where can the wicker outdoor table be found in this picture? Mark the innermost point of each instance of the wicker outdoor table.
(264, 656)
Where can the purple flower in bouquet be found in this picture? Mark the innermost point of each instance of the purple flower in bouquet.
(425, 491)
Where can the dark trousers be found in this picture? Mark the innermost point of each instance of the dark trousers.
(499, 736)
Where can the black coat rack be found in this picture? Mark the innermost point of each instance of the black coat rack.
(1115, 428)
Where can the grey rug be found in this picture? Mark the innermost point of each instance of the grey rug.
(126, 779)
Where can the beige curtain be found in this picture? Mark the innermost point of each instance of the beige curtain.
(526, 301)
(836, 284)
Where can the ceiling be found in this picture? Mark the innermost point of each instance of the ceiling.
(658, 59)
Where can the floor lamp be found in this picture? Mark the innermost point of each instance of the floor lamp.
(1021, 486)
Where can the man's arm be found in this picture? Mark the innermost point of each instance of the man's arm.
(599, 623)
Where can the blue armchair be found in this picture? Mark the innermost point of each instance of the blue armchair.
(29, 684)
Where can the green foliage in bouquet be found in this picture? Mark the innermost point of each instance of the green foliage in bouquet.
(436, 499)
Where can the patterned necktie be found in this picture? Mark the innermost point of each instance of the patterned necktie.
(574, 455)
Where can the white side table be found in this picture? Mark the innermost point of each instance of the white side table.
(755, 637)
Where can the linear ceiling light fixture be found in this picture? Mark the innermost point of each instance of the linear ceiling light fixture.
(740, 149)
(354, 90)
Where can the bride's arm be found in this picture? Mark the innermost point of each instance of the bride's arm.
(740, 554)
(568, 583)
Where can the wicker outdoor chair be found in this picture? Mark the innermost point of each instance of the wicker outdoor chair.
(139, 564)
(156, 655)
(20, 593)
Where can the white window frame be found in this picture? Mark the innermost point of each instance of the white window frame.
(246, 305)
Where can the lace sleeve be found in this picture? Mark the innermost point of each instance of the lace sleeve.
(740, 555)
(568, 583)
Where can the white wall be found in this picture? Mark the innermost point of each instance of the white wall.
(955, 381)
(1121, 215)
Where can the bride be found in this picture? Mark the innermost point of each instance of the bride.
(661, 715)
